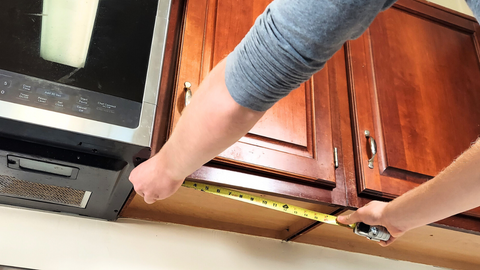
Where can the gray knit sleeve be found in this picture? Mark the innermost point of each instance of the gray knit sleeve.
(475, 7)
(291, 41)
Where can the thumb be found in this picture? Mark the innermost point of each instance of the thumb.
(349, 219)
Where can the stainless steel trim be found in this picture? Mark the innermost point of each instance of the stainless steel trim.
(142, 135)
(163, 9)
(154, 71)
(85, 199)
(155, 62)
(139, 136)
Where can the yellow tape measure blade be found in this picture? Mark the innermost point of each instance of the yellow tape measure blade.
(263, 202)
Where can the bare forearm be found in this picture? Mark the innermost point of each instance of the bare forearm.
(455, 190)
(211, 123)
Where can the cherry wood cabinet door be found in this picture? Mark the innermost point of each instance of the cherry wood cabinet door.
(294, 138)
(415, 86)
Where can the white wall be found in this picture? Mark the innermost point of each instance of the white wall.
(43, 240)
(457, 5)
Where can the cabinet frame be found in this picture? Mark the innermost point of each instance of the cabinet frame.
(361, 71)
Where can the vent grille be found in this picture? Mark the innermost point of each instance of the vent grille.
(13, 187)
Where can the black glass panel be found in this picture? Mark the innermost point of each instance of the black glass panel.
(118, 52)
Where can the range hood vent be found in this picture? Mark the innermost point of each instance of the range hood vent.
(16, 188)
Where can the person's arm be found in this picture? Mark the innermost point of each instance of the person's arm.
(289, 42)
(454, 190)
(209, 124)
(475, 7)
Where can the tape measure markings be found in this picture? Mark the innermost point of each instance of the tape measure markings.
(263, 202)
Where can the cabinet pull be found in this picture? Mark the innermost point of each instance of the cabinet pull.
(188, 93)
(335, 157)
(373, 148)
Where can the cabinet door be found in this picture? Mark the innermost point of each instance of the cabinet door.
(416, 88)
(294, 138)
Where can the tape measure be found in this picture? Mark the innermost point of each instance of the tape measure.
(375, 233)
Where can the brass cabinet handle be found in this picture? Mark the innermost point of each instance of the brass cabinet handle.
(188, 93)
(373, 148)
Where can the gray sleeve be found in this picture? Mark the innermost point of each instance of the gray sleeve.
(291, 41)
(475, 7)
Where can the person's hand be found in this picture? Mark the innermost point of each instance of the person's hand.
(153, 181)
(373, 213)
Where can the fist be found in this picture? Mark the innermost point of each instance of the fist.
(153, 181)
(373, 213)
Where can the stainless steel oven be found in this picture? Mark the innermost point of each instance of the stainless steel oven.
(78, 89)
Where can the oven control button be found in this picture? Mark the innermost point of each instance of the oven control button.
(3, 92)
(26, 87)
(82, 101)
(59, 104)
(42, 100)
(24, 96)
(106, 107)
(5, 83)
(52, 93)
(81, 109)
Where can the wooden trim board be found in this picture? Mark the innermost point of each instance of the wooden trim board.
(427, 245)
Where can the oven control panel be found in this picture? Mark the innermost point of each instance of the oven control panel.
(38, 93)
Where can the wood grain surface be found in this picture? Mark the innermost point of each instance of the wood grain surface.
(294, 139)
(426, 245)
(415, 87)
(199, 209)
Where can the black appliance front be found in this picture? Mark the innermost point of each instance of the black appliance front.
(87, 59)
(83, 60)
(65, 172)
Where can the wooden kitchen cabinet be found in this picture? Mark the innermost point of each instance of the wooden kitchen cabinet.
(200, 209)
(295, 139)
(416, 88)
(393, 81)
(288, 156)
(410, 80)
